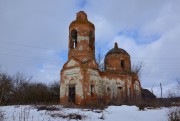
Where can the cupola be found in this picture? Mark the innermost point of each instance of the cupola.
(117, 60)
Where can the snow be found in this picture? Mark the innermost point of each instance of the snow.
(112, 113)
(132, 113)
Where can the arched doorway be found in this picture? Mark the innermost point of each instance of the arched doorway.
(72, 91)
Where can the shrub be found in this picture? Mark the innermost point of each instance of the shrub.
(1, 115)
(21, 89)
(94, 105)
(174, 114)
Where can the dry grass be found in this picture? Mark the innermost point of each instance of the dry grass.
(69, 116)
(60, 114)
(46, 107)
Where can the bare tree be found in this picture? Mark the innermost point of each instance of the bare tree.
(54, 91)
(20, 87)
(136, 69)
(5, 88)
(178, 84)
(178, 87)
(152, 88)
(100, 61)
(176, 91)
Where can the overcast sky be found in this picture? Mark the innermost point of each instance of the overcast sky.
(34, 35)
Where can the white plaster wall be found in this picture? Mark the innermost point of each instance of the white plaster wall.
(81, 38)
(72, 74)
(94, 76)
(101, 84)
(137, 87)
(113, 84)
(62, 90)
(71, 63)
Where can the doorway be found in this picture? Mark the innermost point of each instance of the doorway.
(72, 91)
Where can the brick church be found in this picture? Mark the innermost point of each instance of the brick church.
(80, 79)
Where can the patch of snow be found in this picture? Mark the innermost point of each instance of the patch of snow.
(112, 113)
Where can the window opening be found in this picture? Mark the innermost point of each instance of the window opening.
(122, 63)
(108, 90)
(92, 90)
(73, 39)
(136, 88)
(129, 92)
(120, 91)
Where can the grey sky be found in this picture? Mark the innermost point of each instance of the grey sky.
(34, 35)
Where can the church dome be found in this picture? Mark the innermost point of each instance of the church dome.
(117, 60)
(117, 50)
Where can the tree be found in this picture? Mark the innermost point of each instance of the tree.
(54, 91)
(100, 61)
(176, 91)
(178, 84)
(6, 86)
(38, 93)
(178, 87)
(20, 88)
(136, 69)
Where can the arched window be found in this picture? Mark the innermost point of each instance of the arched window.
(136, 89)
(73, 42)
(120, 92)
(108, 90)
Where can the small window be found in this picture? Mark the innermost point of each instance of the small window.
(108, 90)
(136, 87)
(120, 88)
(120, 91)
(73, 42)
(92, 90)
(122, 63)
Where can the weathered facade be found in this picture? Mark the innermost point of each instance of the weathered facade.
(82, 81)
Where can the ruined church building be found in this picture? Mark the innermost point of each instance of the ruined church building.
(80, 79)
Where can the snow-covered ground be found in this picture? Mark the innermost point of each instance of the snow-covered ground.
(112, 113)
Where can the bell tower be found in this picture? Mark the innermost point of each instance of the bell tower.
(81, 38)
